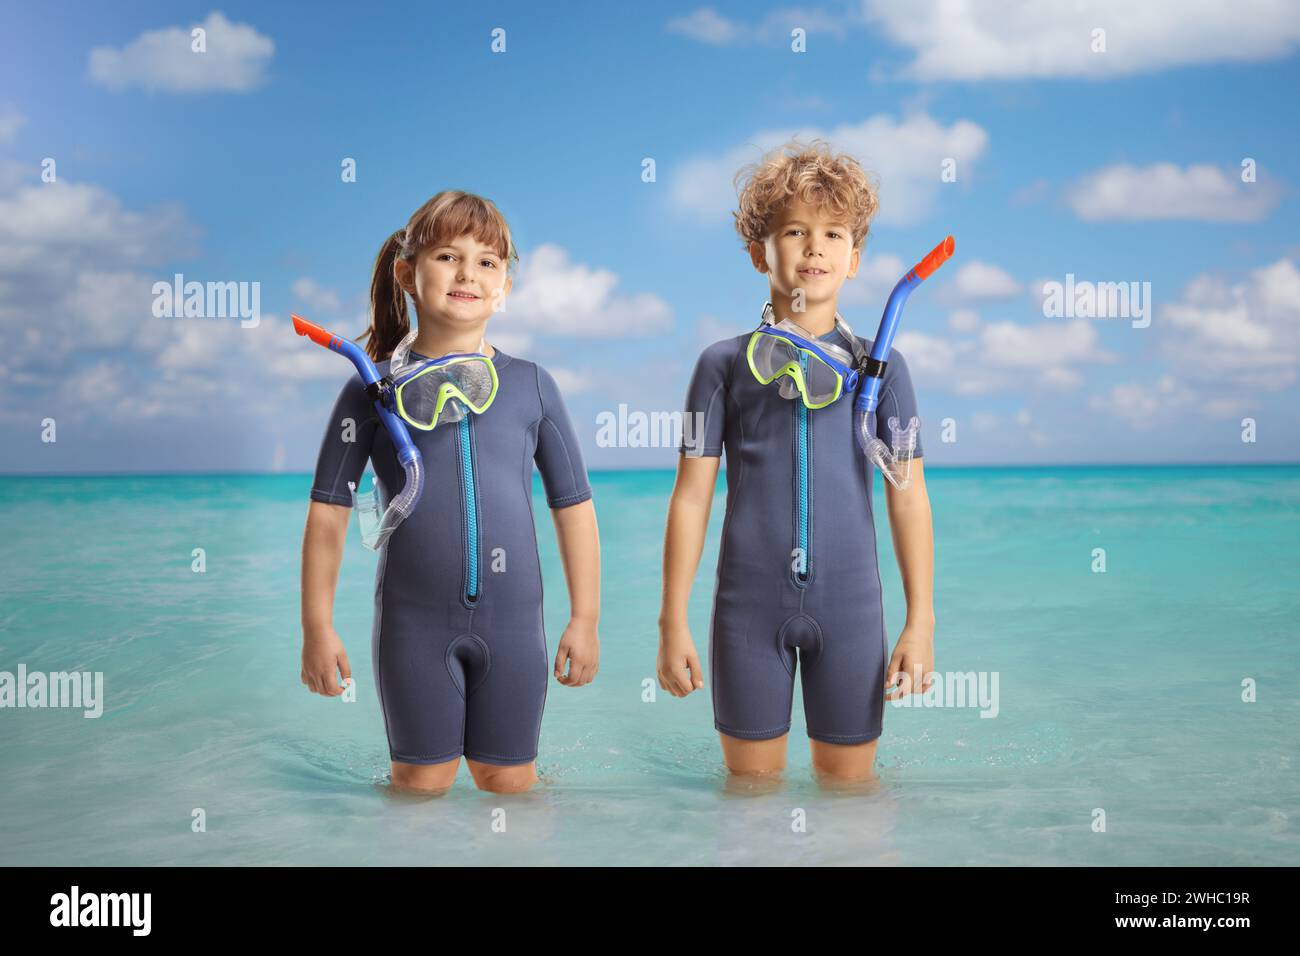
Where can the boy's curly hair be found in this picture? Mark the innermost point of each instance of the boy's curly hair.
(811, 173)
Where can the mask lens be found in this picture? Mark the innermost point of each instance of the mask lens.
(441, 392)
(773, 356)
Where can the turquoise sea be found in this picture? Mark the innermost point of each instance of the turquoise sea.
(1161, 697)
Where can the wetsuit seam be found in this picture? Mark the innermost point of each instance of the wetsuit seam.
(752, 734)
(379, 649)
(845, 738)
(573, 499)
(331, 498)
(344, 459)
(426, 758)
(708, 450)
(568, 458)
(486, 758)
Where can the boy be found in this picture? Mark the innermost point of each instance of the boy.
(797, 577)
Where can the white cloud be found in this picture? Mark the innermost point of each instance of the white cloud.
(235, 60)
(999, 39)
(1005, 356)
(905, 154)
(964, 320)
(314, 296)
(553, 296)
(109, 307)
(1166, 191)
(576, 381)
(49, 225)
(706, 25)
(983, 282)
(1245, 333)
(74, 271)
(1143, 404)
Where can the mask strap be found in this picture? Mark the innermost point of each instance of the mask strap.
(860, 355)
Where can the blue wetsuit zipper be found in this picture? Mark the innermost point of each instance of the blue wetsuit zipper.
(471, 509)
(802, 465)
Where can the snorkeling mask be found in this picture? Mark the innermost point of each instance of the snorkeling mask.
(430, 392)
(818, 372)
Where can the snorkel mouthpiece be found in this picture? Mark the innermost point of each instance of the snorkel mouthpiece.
(376, 519)
(893, 460)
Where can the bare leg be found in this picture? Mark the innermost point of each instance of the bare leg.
(754, 757)
(430, 778)
(844, 763)
(513, 779)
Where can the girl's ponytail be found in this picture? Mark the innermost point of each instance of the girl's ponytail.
(389, 320)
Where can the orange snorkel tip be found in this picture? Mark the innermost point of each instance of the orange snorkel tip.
(313, 332)
(937, 257)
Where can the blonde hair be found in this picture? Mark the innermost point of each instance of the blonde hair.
(808, 173)
(445, 217)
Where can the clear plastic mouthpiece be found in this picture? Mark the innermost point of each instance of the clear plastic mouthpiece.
(895, 459)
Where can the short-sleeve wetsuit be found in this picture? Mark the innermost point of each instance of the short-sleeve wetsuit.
(458, 645)
(797, 564)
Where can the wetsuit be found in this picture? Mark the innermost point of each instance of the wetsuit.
(458, 646)
(797, 571)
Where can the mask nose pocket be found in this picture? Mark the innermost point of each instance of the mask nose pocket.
(468, 663)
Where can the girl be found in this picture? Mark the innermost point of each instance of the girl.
(457, 647)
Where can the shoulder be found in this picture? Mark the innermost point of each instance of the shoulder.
(721, 355)
(531, 378)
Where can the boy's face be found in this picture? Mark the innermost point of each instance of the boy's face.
(809, 250)
(460, 283)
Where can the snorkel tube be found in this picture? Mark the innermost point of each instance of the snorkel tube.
(380, 390)
(894, 463)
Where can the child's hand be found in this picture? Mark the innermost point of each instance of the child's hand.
(912, 666)
(678, 666)
(323, 658)
(580, 646)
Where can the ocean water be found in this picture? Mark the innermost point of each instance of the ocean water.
(1161, 697)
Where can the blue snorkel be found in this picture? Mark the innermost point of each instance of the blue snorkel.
(895, 462)
(384, 520)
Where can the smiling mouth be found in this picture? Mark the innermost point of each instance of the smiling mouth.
(463, 296)
(813, 272)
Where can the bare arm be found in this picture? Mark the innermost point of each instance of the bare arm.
(323, 657)
(678, 665)
(579, 541)
(912, 529)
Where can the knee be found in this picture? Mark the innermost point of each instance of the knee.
(432, 779)
(496, 779)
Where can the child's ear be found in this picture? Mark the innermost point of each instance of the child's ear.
(855, 258)
(758, 256)
(403, 274)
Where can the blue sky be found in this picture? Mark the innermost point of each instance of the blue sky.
(1115, 165)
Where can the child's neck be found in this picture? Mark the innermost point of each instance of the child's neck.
(435, 342)
(817, 317)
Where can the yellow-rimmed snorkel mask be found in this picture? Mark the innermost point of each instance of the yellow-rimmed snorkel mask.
(818, 372)
(430, 392)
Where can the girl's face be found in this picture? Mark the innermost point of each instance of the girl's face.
(459, 284)
(810, 250)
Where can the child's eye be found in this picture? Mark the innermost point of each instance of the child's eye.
(833, 234)
(791, 232)
(444, 255)
(488, 262)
